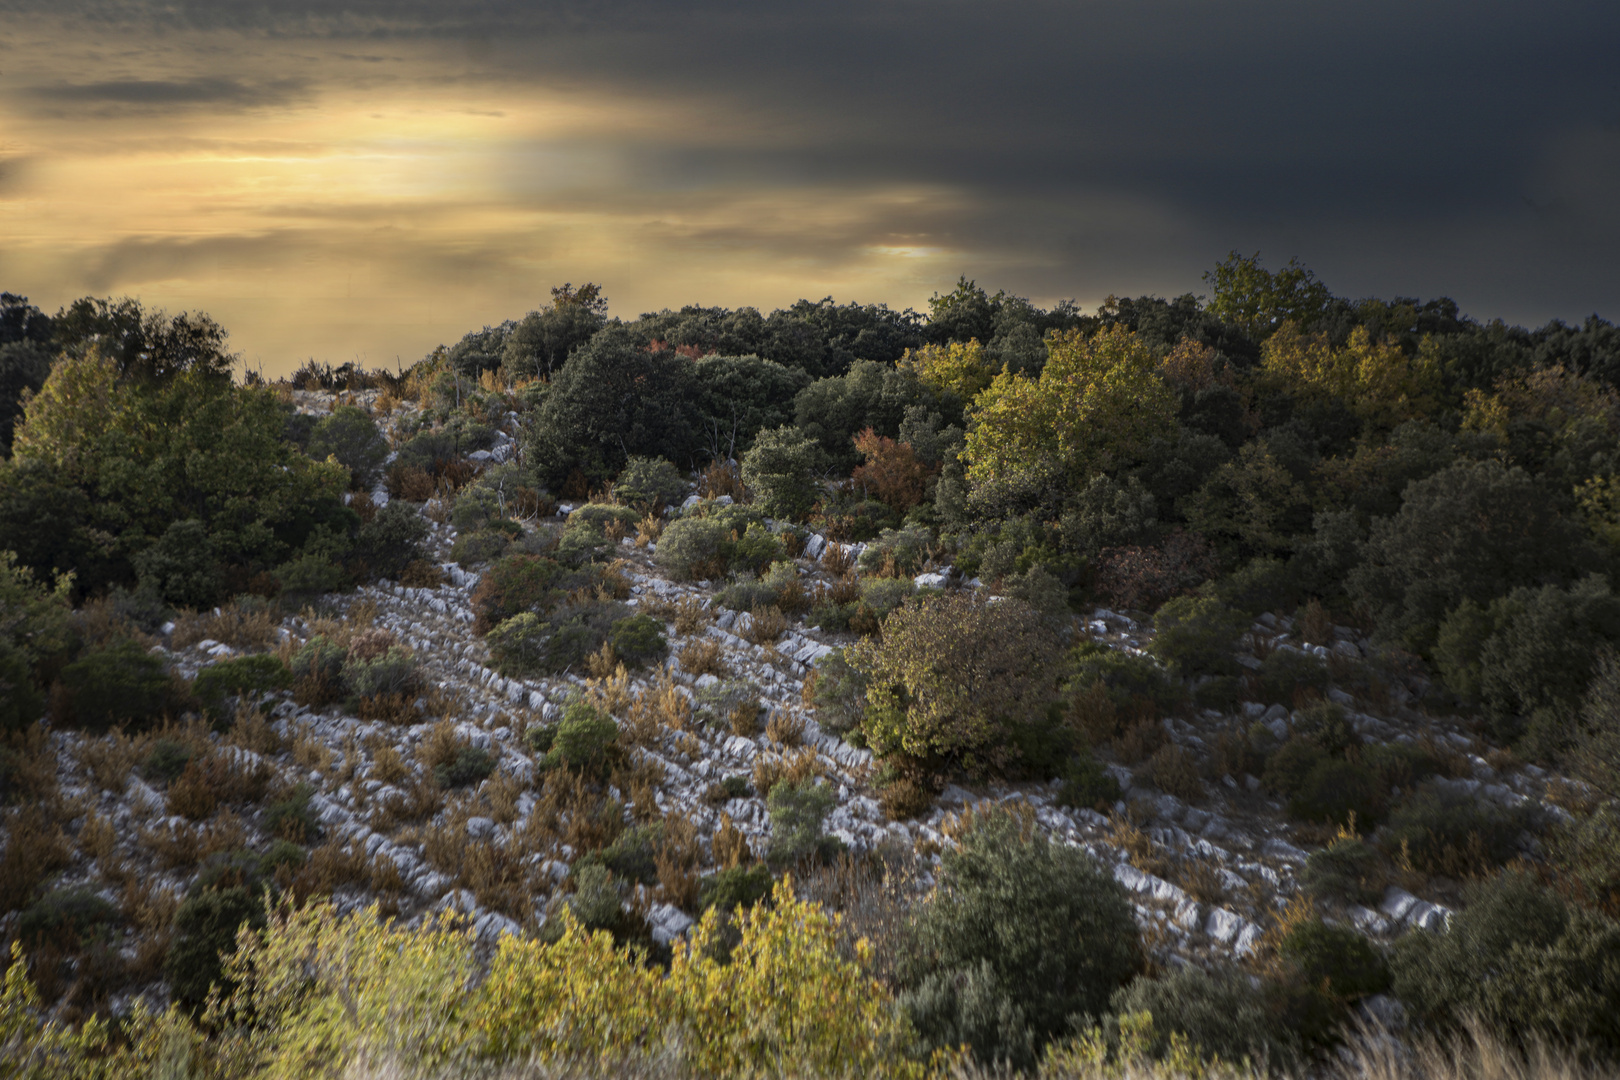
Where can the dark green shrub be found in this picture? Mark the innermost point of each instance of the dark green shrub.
(528, 644)
(182, 566)
(1326, 725)
(649, 483)
(797, 811)
(249, 677)
(1287, 676)
(1454, 833)
(290, 818)
(694, 547)
(351, 436)
(1288, 767)
(1335, 790)
(839, 692)
(539, 737)
(67, 919)
(1259, 585)
(166, 760)
(485, 545)
(732, 787)
(782, 470)
(883, 595)
(639, 640)
(736, 887)
(21, 703)
(472, 764)
(1019, 936)
(1128, 677)
(394, 672)
(756, 548)
(391, 540)
(1400, 765)
(512, 586)
(228, 894)
(308, 576)
(1087, 784)
(833, 618)
(586, 740)
(1221, 1015)
(1521, 961)
(1469, 532)
(1223, 693)
(633, 855)
(1197, 635)
(119, 684)
(1350, 870)
(319, 658)
(1336, 958)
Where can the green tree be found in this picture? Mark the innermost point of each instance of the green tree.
(1259, 300)
(1470, 532)
(1096, 405)
(543, 340)
(1021, 938)
(351, 436)
(782, 470)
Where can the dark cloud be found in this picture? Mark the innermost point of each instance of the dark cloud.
(212, 91)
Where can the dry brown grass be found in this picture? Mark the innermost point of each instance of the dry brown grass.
(111, 758)
(1140, 851)
(500, 793)
(785, 729)
(98, 839)
(765, 625)
(845, 589)
(721, 478)
(387, 765)
(701, 656)
(771, 769)
(308, 752)
(649, 529)
(182, 846)
(905, 797)
(602, 663)
(397, 708)
(837, 560)
(1140, 741)
(691, 615)
(744, 718)
(252, 730)
(250, 630)
(36, 847)
(329, 867)
(609, 691)
(1175, 772)
(1092, 714)
(730, 846)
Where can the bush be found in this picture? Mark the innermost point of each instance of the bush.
(1450, 832)
(227, 894)
(897, 552)
(291, 818)
(797, 811)
(1336, 789)
(471, 764)
(883, 595)
(309, 576)
(514, 585)
(1348, 869)
(1335, 958)
(482, 546)
(394, 672)
(953, 679)
(736, 887)
(649, 483)
(69, 920)
(633, 855)
(781, 469)
(1286, 677)
(639, 640)
(352, 437)
(1221, 1014)
(1020, 936)
(528, 644)
(319, 658)
(1088, 785)
(586, 741)
(249, 677)
(1469, 532)
(181, 566)
(119, 684)
(1129, 679)
(391, 540)
(1522, 962)
(839, 692)
(694, 547)
(1197, 635)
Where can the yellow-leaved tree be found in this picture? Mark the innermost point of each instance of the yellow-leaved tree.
(961, 368)
(1376, 379)
(1097, 402)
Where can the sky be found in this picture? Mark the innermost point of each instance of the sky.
(366, 180)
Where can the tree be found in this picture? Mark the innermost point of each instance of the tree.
(961, 368)
(611, 400)
(351, 436)
(1096, 405)
(782, 471)
(1472, 531)
(1259, 300)
(959, 681)
(144, 344)
(543, 340)
(1021, 938)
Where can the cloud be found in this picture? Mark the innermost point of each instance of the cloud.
(213, 91)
